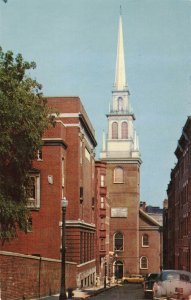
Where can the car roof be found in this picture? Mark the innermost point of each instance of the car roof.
(176, 271)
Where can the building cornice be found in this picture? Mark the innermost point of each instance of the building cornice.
(120, 114)
(54, 142)
(87, 129)
(122, 161)
(80, 224)
(148, 228)
(149, 218)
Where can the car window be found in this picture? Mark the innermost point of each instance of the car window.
(170, 276)
(152, 276)
(184, 277)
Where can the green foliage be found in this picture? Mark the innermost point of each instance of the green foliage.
(23, 119)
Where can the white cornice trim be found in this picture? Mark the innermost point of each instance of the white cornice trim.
(72, 125)
(148, 217)
(86, 263)
(149, 228)
(66, 115)
(79, 223)
(122, 161)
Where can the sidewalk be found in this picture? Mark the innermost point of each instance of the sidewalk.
(83, 294)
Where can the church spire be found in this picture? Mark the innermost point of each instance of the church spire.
(120, 79)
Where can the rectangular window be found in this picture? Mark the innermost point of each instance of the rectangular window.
(102, 180)
(102, 223)
(102, 244)
(39, 154)
(33, 191)
(102, 202)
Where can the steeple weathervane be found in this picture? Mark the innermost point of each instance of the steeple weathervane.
(120, 78)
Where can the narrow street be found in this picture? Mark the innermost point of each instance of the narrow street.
(127, 291)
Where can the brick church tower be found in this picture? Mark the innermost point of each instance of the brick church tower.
(120, 149)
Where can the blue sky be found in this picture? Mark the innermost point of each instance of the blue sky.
(74, 45)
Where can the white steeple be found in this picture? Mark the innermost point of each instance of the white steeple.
(121, 141)
(120, 79)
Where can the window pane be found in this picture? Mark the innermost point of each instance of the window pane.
(31, 188)
(114, 130)
(144, 262)
(118, 241)
(145, 240)
(118, 175)
(120, 104)
(124, 130)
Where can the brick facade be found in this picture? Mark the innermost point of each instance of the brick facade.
(152, 250)
(125, 196)
(64, 169)
(102, 210)
(177, 226)
(29, 277)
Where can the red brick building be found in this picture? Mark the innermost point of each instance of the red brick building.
(65, 167)
(177, 225)
(150, 244)
(102, 222)
(120, 150)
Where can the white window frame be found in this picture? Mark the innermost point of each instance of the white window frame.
(35, 202)
(102, 180)
(114, 246)
(102, 203)
(143, 244)
(144, 268)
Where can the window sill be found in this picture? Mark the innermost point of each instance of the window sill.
(33, 208)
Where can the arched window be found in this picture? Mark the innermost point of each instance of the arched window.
(145, 240)
(143, 262)
(118, 241)
(114, 130)
(120, 104)
(118, 175)
(124, 130)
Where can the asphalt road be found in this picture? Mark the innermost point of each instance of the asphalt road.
(127, 291)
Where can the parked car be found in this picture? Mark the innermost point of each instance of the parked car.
(133, 278)
(174, 284)
(148, 283)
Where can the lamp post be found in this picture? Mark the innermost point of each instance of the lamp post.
(64, 204)
(105, 272)
(115, 257)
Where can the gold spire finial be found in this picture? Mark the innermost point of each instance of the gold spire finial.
(120, 10)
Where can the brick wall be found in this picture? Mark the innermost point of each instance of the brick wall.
(28, 277)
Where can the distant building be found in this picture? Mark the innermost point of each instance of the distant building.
(154, 211)
(177, 214)
(102, 211)
(150, 243)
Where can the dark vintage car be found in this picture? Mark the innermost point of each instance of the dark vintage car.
(173, 284)
(148, 284)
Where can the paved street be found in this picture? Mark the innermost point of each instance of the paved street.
(121, 292)
(128, 291)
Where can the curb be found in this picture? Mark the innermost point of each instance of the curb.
(95, 293)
